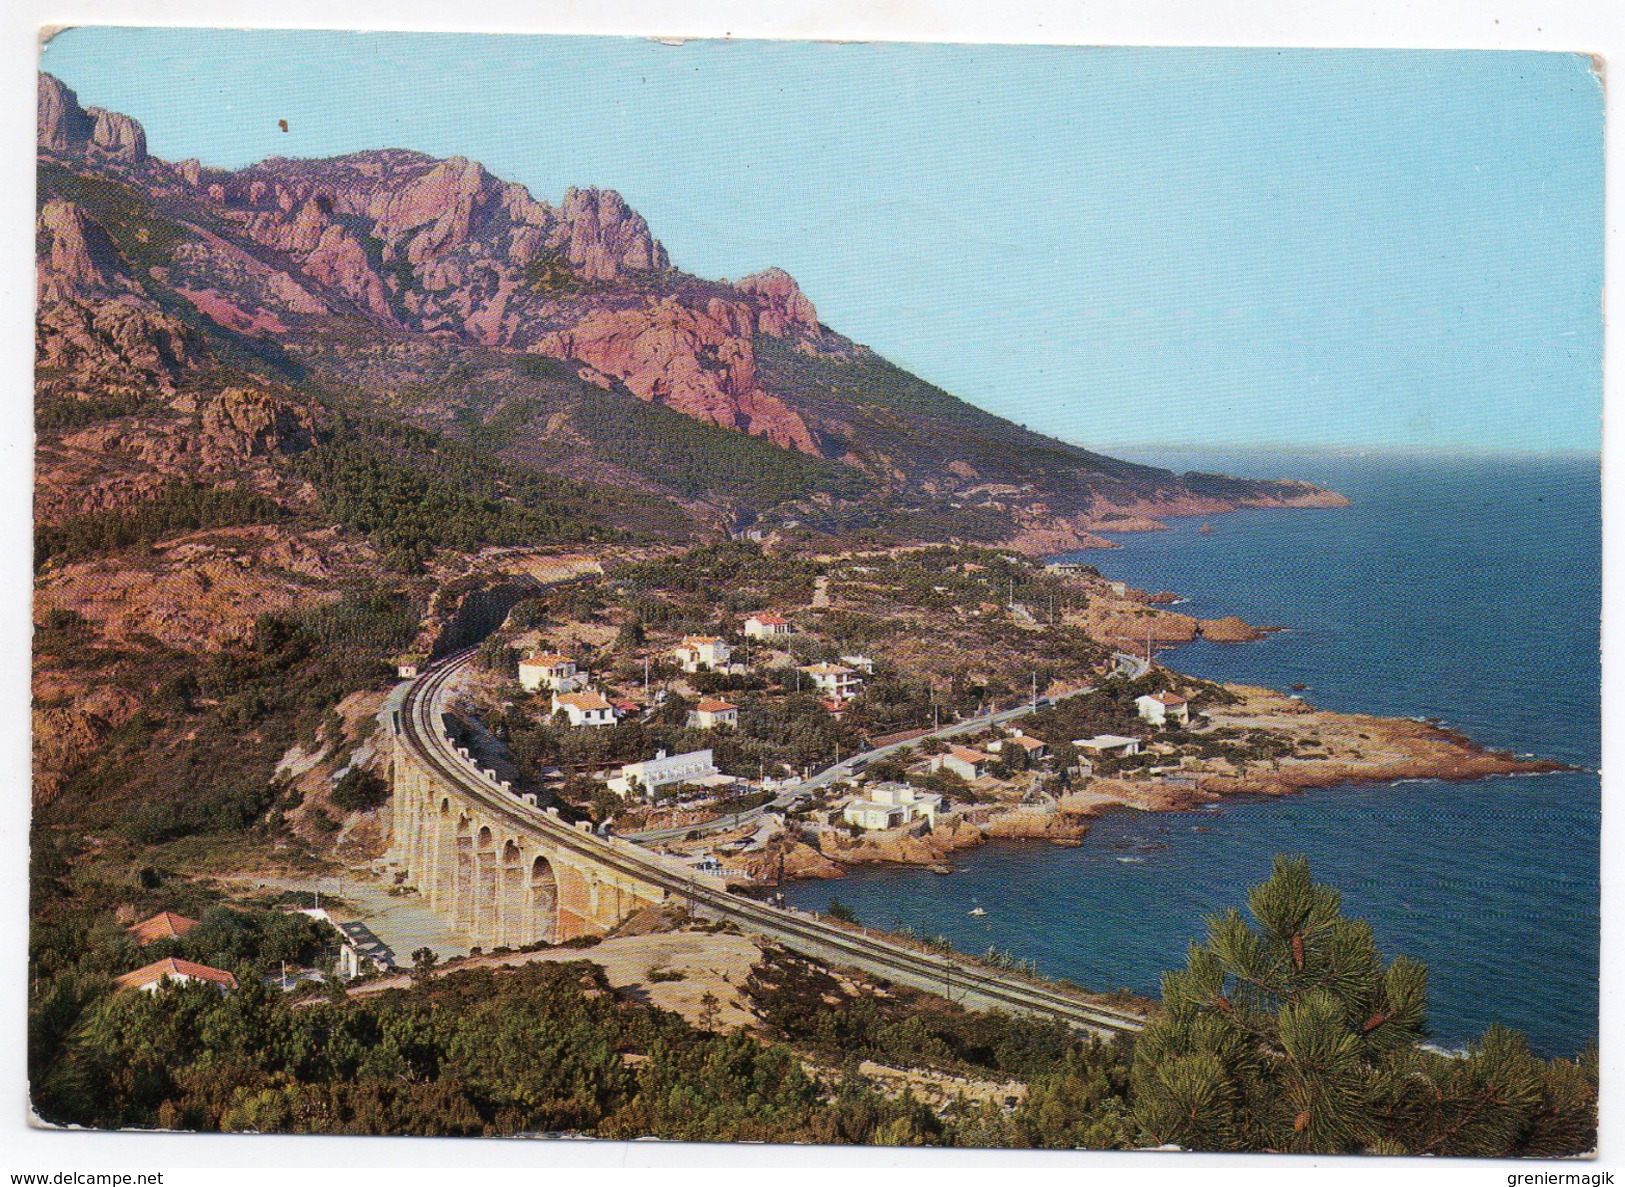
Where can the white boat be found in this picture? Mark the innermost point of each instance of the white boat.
(977, 911)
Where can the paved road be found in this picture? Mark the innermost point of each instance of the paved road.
(419, 728)
(1128, 666)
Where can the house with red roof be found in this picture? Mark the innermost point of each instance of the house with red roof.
(1163, 707)
(709, 714)
(166, 925)
(183, 972)
(766, 625)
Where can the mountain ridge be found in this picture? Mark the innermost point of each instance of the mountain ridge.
(432, 290)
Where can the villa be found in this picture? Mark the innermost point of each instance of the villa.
(836, 681)
(697, 653)
(709, 714)
(166, 925)
(182, 972)
(557, 673)
(892, 805)
(766, 626)
(1102, 744)
(962, 761)
(584, 708)
(1163, 707)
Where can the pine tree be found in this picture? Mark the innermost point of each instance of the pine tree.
(1292, 1035)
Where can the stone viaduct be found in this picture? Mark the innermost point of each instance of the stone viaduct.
(501, 880)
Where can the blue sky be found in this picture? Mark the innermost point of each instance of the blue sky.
(1243, 247)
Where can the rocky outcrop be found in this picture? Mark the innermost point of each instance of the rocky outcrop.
(604, 239)
(63, 127)
(244, 424)
(77, 257)
(122, 345)
(782, 308)
(696, 361)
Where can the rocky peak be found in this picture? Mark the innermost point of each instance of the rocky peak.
(782, 308)
(77, 256)
(62, 126)
(604, 238)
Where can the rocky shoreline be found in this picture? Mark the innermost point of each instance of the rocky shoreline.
(1360, 749)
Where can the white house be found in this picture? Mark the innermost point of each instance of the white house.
(1031, 747)
(1107, 744)
(836, 681)
(663, 770)
(873, 817)
(709, 714)
(153, 977)
(962, 761)
(584, 708)
(766, 626)
(702, 653)
(362, 951)
(892, 805)
(557, 673)
(1163, 707)
(861, 663)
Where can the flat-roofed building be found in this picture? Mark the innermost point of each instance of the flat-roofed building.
(645, 779)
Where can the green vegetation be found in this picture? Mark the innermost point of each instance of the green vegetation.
(144, 237)
(202, 756)
(54, 413)
(697, 459)
(413, 491)
(178, 507)
(1293, 1035)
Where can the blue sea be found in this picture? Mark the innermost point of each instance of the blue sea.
(1466, 589)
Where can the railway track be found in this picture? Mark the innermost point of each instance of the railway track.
(417, 722)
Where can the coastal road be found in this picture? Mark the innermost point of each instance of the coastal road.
(1129, 667)
(419, 726)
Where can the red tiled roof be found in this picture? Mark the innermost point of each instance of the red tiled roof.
(1027, 743)
(715, 707)
(550, 660)
(970, 756)
(166, 925)
(171, 967)
(1169, 699)
(584, 700)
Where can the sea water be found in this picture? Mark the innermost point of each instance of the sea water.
(1466, 589)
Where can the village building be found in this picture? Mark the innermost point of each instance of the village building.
(166, 925)
(1162, 708)
(836, 681)
(1031, 747)
(556, 673)
(709, 714)
(665, 770)
(362, 952)
(182, 972)
(962, 761)
(766, 626)
(1103, 744)
(892, 805)
(702, 653)
(584, 708)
